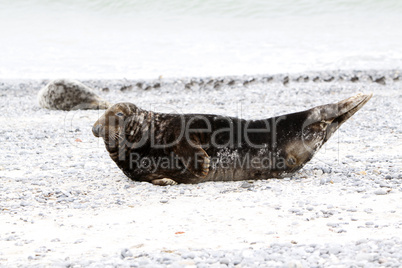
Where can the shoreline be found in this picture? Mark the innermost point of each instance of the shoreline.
(340, 75)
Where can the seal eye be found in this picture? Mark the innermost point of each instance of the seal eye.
(119, 114)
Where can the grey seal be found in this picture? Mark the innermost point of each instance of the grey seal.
(64, 94)
(191, 148)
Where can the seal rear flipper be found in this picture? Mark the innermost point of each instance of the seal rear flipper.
(317, 126)
(334, 115)
(194, 158)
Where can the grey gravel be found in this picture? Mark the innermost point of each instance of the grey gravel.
(64, 203)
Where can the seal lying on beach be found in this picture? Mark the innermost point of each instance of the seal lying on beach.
(63, 94)
(190, 148)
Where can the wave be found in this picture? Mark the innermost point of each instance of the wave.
(211, 8)
(148, 38)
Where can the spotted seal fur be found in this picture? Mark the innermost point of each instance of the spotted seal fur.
(64, 94)
(190, 148)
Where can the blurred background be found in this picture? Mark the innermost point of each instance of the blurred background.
(148, 38)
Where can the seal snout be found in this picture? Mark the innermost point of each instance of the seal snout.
(96, 129)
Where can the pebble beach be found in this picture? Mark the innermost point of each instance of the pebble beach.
(64, 202)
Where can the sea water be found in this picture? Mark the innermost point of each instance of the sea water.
(176, 38)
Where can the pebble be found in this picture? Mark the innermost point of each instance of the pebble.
(335, 249)
(383, 184)
(324, 181)
(381, 192)
(368, 210)
(126, 253)
(225, 261)
(189, 255)
(333, 225)
(246, 185)
(24, 204)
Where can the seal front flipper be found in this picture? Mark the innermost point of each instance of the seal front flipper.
(163, 182)
(193, 157)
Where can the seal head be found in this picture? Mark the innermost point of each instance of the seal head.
(112, 127)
